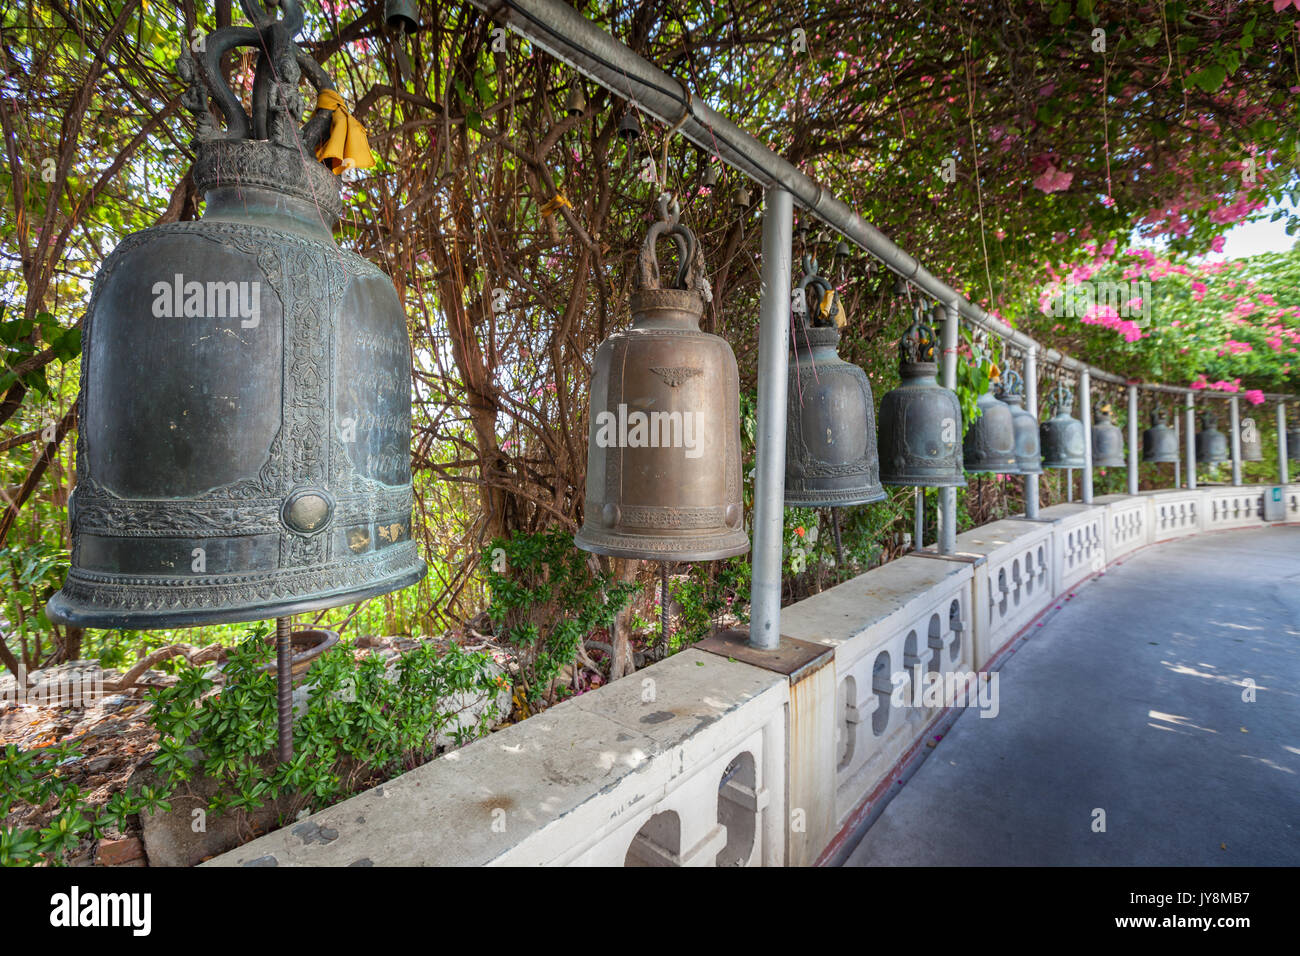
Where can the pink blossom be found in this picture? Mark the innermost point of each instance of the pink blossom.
(1254, 396)
(1053, 180)
(1216, 244)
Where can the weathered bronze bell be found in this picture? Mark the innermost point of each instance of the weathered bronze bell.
(663, 449)
(830, 447)
(402, 15)
(1029, 459)
(1107, 441)
(990, 444)
(1062, 434)
(1211, 444)
(920, 421)
(1252, 445)
(244, 449)
(1159, 443)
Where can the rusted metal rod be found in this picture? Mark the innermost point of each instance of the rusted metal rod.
(284, 688)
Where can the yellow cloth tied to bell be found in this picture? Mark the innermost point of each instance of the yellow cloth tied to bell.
(346, 147)
(833, 309)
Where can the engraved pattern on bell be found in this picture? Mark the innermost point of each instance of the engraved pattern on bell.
(663, 449)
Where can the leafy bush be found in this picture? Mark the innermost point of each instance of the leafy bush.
(546, 601)
(360, 725)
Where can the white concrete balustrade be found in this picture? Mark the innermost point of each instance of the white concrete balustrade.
(704, 760)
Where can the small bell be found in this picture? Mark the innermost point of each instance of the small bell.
(1028, 456)
(990, 443)
(1159, 443)
(663, 450)
(1293, 443)
(830, 458)
(743, 197)
(402, 15)
(1211, 444)
(710, 176)
(1107, 441)
(842, 250)
(629, 127)
(1061, 435)
(576, 103)
(920, 421)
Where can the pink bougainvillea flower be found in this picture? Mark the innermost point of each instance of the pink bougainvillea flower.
(1280, 5)
(1216, 243)
(1053, 180)
(1254, 396)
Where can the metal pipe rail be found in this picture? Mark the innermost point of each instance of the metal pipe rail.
(567, 35)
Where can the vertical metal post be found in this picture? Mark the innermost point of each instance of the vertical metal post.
(918, 524)
(1191, 441)
(1282, 450)
(1235, 439)
(1132, 440)
(284, 686)
(1031, 406)
(1085, 397)
(948, 370)
(1069, 484)
(769, 472)
(1178, 449)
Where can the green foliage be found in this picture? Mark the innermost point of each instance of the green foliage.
(545, 601)
(711, 588)
(362, 723)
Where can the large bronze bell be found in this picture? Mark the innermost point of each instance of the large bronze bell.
(663, 449)
(990, 444)
(1062, 434)
(1211, 444)
(1029, 459)
(1252, 444)
(244, 449)
(1159, 442)
(1107, 441)
(830, 447)
(920, 421)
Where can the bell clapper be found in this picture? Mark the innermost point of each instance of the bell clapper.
(839, 544)
(284, 686)
(663, 605)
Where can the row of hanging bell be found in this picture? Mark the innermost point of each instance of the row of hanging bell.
(1107, 441)
(920, 421)
(1062, 434)
(663, 449)
(244, 450)
(830, 449)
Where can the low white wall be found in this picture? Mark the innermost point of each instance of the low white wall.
(692, 761)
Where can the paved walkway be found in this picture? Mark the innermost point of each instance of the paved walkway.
(1129, 699)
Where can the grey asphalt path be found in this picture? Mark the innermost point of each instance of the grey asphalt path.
(1129, 699)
